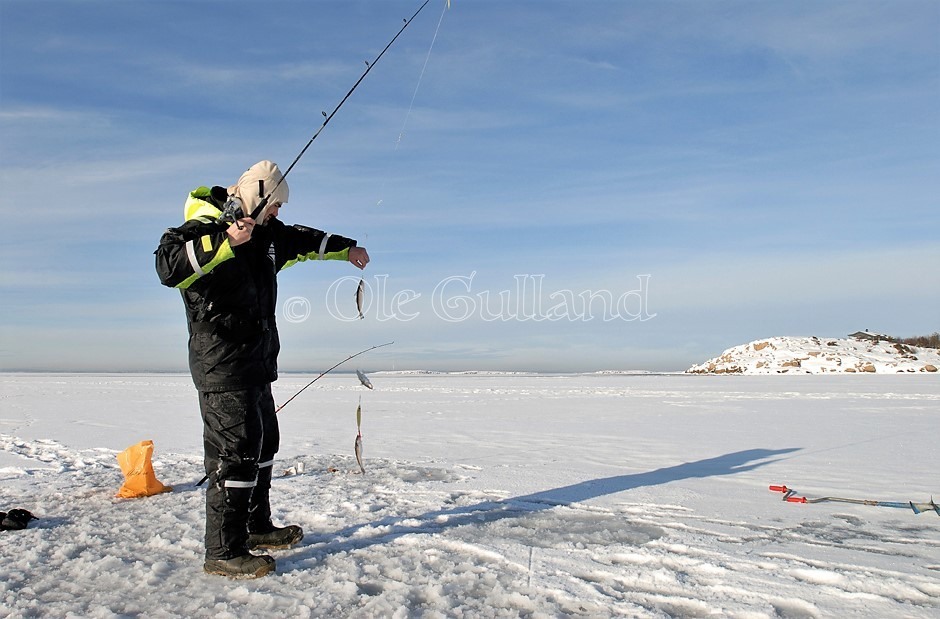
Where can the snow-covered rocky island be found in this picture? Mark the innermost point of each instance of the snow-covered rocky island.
(859, 352)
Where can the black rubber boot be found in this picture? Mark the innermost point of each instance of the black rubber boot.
(226, 522)
(262, 532)
(245, 566)
(276, 538)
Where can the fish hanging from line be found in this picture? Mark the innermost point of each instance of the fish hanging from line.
(358, 449)
(364, 379)
(360, 293)
(358, 445)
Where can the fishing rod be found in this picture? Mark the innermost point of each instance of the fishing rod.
(325, 372)
(233, 212)
(321, 375)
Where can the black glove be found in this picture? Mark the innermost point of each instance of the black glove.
(16, 520)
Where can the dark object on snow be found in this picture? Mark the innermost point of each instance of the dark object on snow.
(15, 520)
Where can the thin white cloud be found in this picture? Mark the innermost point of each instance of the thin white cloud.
(243, 79)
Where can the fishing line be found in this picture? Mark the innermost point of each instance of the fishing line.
(414, 95)
(424, 68)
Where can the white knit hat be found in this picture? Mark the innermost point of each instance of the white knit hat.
(258, 181)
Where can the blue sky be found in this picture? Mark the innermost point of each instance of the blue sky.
(725, 171)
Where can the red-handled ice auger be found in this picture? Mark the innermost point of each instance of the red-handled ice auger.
(789, 495)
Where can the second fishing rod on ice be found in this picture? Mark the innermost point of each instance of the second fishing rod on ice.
(232, 210)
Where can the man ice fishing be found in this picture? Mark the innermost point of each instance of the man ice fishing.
(226, 273)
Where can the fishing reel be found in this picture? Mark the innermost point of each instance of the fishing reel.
(232, 211)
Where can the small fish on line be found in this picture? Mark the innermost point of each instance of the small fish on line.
(360, 293)
(358, 446)
(364, 379)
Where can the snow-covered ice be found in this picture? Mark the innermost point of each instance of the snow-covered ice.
(490, 496)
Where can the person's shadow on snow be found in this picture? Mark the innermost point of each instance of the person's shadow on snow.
(390, 528)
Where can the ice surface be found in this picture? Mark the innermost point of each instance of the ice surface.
(490, 495)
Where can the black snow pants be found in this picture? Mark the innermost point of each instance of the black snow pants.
(241, 436)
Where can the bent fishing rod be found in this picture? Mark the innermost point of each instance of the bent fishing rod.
(233, 212)
(325, 372)
(321, 375)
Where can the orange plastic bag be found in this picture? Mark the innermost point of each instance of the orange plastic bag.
(139, 478)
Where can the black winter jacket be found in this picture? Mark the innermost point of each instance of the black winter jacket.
(230, 293)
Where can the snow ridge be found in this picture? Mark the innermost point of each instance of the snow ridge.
(813, 355)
